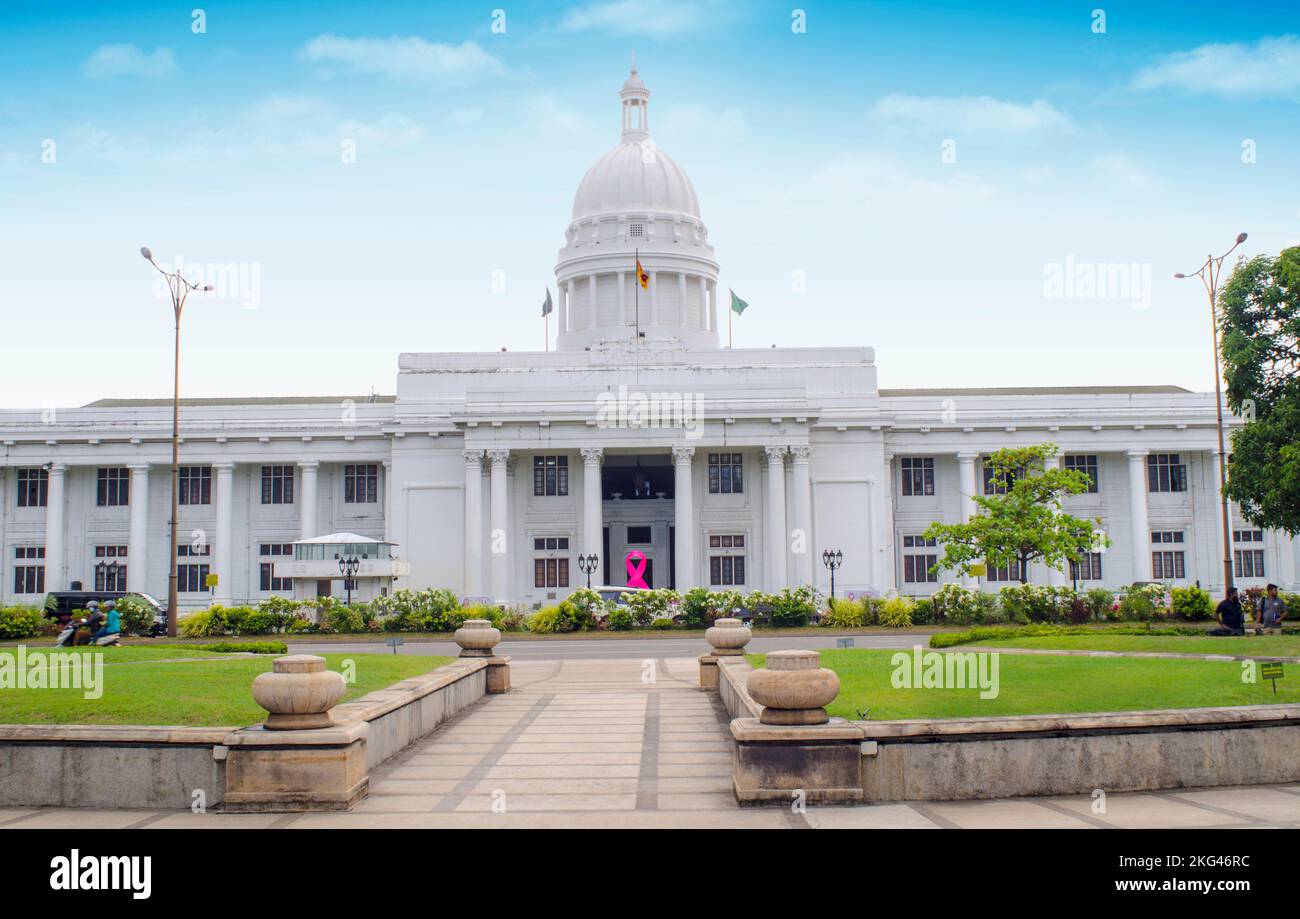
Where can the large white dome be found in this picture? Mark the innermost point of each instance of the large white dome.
(635, 176)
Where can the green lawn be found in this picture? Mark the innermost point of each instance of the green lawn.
(125, 653)
(1030, 684)
(140, 689)
(1268, 645)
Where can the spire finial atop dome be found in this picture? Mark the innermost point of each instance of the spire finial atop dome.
(636, 97)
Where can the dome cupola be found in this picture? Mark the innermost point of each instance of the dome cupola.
(635, 201)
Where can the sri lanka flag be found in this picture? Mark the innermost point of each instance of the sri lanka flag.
(642, 276)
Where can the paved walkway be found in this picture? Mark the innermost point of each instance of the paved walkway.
(622, 743)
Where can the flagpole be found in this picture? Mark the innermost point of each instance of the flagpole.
(636, 291)
(729, 312)
(547, 344)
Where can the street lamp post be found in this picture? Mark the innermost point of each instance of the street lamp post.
(348, 568)
(587, 563)
(832, 559)
(1209, 274)
(180, 289)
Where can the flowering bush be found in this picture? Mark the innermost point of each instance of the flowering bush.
(648, 605)
(954, 603)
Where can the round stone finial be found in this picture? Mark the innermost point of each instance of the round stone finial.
(298, 693)
(793, 688)
(728, 637)
(477, 638)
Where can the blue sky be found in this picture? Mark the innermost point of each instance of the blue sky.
(937, 182)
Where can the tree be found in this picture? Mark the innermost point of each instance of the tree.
(1259, 323)
(1023, 521)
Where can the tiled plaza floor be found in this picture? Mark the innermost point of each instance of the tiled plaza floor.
(628, 743)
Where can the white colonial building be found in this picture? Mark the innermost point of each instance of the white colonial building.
(493, 472)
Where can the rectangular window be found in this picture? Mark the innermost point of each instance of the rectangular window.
(550, 572)
(191, 579)
(996, 488)
(1248, 562)
(727, 560)
(550, 476)
(195, 484)
(917, 562)
(1087, 568)
(1166, 472)
(112, 486)
(1008, 572)
(267, 581)
(918, 476)
(29, 577)
(638, 536)
(33, 487)
(1085, 463)
(725, 474)
(277, 484)
(1168, 564)
(361, 483)
(110, 568)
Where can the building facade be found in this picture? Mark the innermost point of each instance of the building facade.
(494, 472)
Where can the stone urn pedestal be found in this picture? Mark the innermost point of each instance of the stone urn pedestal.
(793, 688)
(477, 638)
(298, 693)
(726, 638)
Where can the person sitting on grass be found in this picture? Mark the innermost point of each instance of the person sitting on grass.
(1230, 616)
(1271, 610)
(111, 631)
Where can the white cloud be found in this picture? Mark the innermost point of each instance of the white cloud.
(971, 115)
(1269, 67)
(1118, 173)
(392, 129)
(110, 61)
(878, 185)
(644, 17)
(404, 58)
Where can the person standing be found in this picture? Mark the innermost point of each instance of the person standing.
(1271, 610)
(1229, 615)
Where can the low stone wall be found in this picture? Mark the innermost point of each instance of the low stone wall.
(969, 758)
(79, 765)
(933, 760)
(247, 768)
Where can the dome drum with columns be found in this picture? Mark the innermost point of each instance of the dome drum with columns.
(634, 199)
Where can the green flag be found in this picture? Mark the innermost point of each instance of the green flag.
(738, 305)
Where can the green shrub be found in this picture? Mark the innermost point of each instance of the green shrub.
(1025, 603)
(1192, 604)
(201, 624)
(663, 624)
(703, 607)
(546, 621)
(20, 621)
(428, 610)
(619, 619)
(949, 639)
(956, 604)
(791, 607)
(135, 613)
(896, 613)
(236, 647)
(341, 619)
(1141, 603)
(923, 612)
(1100, 601)
(493, 614)
(513, 621)
(846, 614)
(648, 605)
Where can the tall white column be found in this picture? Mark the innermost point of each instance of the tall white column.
(1137, 514)
(307, 500)
(654, 299)
(388, 500)
(55, 578)
(592, 319)
(622, 298)
(704, 303)
(592, 516)
(1054, 577)
(474, 522)
(223, 552)
(563, 312)
(683, 518)
(137, 550)
(499, 538)
(800, 481)
(966, 482)
(776, 536)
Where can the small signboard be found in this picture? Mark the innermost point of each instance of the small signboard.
(211, 580)
(1271, 670)
(978, 569)
(394, 641)
(844, 642)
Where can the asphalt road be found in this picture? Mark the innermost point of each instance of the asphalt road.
(614, 648)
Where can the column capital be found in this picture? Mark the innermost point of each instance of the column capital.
(473, 457)
(498, 456)
(592, 454)
(801, 453)
(56, 468)
(967, 456)
(223, 466)
(1137, 453)
(775, 453)
(138, 468)
(312, 465)
(682, 456)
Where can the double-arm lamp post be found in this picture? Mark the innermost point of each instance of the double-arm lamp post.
(1209, 274)
(832, 559)
(180, 290)
(588, 564)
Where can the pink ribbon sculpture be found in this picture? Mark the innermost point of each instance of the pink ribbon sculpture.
(635, 563)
